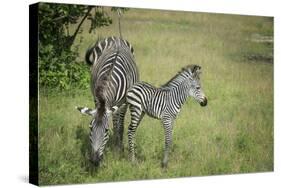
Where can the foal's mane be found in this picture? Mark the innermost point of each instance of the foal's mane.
(191, 68)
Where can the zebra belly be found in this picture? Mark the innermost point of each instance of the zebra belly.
(153, 115)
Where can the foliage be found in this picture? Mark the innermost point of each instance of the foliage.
(62, 72)
(99, 19)
(54, 21)
(58, 66)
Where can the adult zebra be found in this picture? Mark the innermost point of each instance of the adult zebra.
(163, 103)
(113, 71)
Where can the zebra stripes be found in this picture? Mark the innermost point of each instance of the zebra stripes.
(114, 85)
(113, 71)
(93, 53)
(163, 103)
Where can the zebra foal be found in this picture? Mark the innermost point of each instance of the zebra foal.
(163, 103)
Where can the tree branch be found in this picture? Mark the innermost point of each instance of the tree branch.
(71, 39)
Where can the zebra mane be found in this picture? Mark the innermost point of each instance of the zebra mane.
(190, 69)
(100, 96)
(104, 79)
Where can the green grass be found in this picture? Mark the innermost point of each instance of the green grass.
(233, 134)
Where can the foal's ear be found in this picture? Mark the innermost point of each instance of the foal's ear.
(196, 70)
(87, 111)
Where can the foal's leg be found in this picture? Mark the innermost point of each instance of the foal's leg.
(118, 127)
(168, 128)
(136, 117)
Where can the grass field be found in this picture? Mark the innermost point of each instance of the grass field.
(233, 134)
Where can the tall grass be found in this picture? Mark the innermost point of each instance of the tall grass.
(233, 134)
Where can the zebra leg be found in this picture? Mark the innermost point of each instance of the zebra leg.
(168, 128)
(136, 117)
(118, 127)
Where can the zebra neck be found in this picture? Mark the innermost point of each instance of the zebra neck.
(180, 94)
(105, 92)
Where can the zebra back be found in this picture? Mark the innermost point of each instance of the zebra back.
(113, 71)
(95, 51)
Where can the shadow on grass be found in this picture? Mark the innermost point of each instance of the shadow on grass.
(82, 136)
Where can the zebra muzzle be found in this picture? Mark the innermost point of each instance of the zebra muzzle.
(204, 102)
(95, 159)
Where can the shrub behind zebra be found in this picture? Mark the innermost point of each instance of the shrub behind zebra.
(113, 71)
(163, 103)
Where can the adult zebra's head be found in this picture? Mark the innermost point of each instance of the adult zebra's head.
(98, 132)
(195, 89)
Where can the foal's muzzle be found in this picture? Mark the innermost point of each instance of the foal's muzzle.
(204, 102)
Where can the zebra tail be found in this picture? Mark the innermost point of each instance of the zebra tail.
(101, 118)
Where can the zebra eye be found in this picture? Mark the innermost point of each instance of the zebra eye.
(197, 87)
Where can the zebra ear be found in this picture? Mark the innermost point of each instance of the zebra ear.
(196, 70)
(87, 111)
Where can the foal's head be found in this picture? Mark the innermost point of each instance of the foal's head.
(192, 72)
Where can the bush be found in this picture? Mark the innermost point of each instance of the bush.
(58, 66)
(61, 71)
